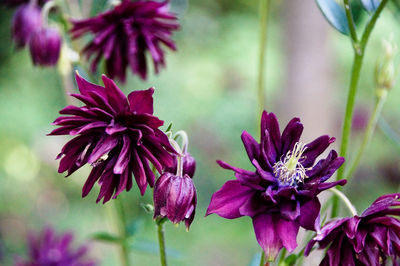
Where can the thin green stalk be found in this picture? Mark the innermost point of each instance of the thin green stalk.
(345, 200)
(369, 131)
(161, 242)
(264, 12)
(350, 20)
(121, 225)
(359, 51)
(262, 258)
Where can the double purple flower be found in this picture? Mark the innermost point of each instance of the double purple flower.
(368, 239)
(281, 194)
(117, 135)
(51, 249)
(123, 35)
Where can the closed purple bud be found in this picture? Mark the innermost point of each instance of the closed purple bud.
(27, 19)
(189, 165)
(175, 198)
(45, 46)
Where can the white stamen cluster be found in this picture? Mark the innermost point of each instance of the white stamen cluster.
(290, 171)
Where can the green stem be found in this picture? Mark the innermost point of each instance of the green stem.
(355, 76)
(350, 20)
(345, 200)
(359, 51)
(262, 258)
(161, 242)
(369, 131)
(121, 219)
(264, 11)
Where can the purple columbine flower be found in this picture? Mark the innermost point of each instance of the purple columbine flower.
(51, 249)
(281, 194)
(117, 135)
(368, 239)
(27, 19)
(188, 165)
(124, 34)
(45, 46)
(175, 198)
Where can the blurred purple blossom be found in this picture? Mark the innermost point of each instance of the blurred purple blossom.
(27, 20)
(45, 46)
(124, 34)
(51, 249)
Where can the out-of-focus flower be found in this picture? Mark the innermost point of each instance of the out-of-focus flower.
(281, 195)
(189, 165)
(117, 135)
(368, 239)
(14, 3)
(51, 249)
(27, 19)
(175, 198)
(45, 46)
(124, 34)
(360, 119)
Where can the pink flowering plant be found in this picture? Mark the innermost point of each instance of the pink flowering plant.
(123, 154)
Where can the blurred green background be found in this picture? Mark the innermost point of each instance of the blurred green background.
(209, 90)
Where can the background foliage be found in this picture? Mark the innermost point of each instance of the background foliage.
(208, 89)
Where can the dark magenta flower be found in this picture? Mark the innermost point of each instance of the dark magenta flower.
(281, 194)
(175, 198)
(27, 19)
(368, 239)
(117, 135)
(51, 249)
(45, 46)
(189, 165)
(124, 34)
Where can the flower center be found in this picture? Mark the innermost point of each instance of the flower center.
(290, 171)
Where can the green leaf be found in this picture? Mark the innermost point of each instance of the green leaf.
(290, 260)
(169, 127)
(106, 237)
(371, 5)
(134, 227)
(334, 14)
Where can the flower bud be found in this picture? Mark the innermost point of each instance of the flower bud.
(189, 165)
(27, 19)
(45, 46)
(385, 74)
(175, 198)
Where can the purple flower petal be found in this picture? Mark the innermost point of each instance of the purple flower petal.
(309, 213)
(141, 101)
(228, 199)
(291, 134)
(251, 146)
